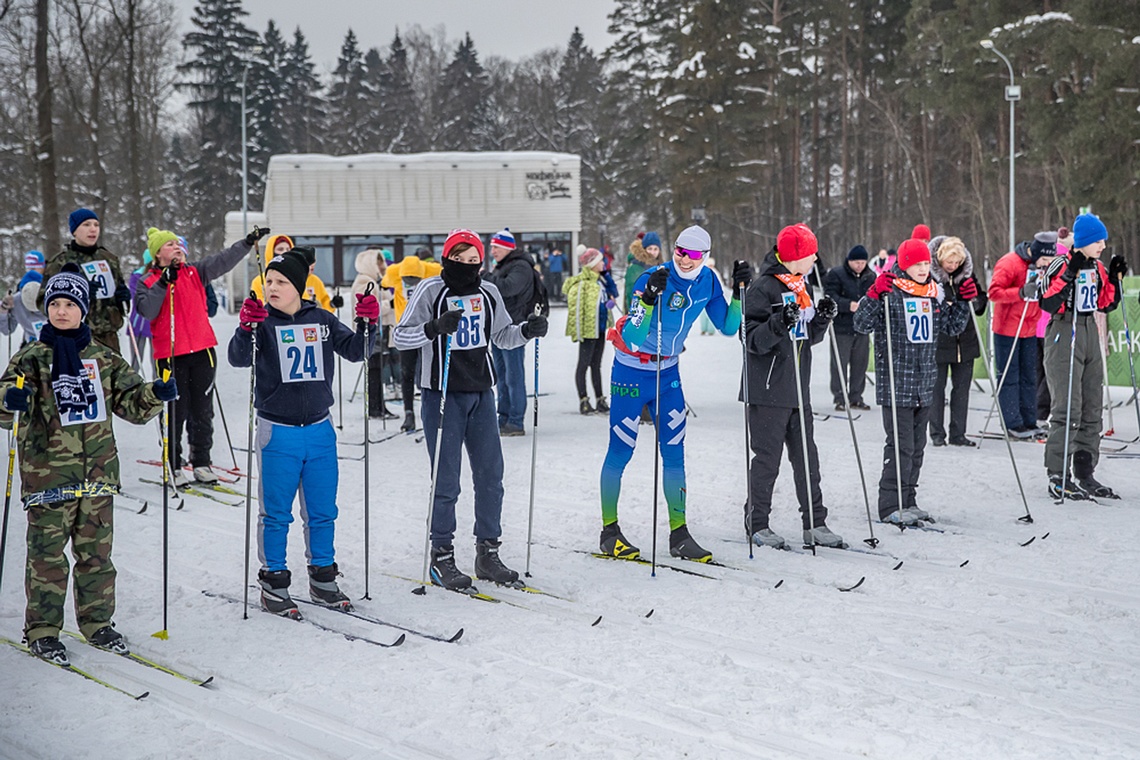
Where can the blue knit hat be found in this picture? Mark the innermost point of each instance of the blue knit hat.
(33, 259)
(651, 238)
(78, 217)
(1088, 229)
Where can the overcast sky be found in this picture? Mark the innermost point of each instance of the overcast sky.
(507, 28)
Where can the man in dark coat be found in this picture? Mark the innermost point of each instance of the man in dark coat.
(513, 275)
(846, 284)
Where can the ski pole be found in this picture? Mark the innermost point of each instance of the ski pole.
(339, 376)
(249, 440)
(834, 341)
(1005, 371)
(796, 346)
(1069, 400)
(1101, 345)
(8, 490)
(747, 433)
(225, 425)
(656, 438)
(533, 457)
(1027, 517)
(367, 526)
(167, 478)
(894, 404)
(435, 461)
(380, 369)
(1131, 363)
(356, 385)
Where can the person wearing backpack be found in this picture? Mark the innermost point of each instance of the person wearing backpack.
(514, 276)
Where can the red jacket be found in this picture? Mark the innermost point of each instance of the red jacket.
(1010, 274)
(192, 331)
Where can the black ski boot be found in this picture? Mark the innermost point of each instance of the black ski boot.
(409, 422)
(444, 572)
(110, 639)
(1083, 472)
(603, 407)
(50, 648)
(614, 544)
(488, 566)
(683, 545)
(275, 593)
(1072, 492)
(323, 589)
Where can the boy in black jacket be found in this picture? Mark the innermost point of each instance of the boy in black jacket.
(453, 320)
(780, 318)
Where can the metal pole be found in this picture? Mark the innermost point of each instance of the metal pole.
(244, 176)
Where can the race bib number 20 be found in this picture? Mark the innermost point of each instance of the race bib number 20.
(102, 281)
(300, 354)
(919, 320)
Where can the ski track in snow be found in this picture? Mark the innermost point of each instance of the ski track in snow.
(1024, 652)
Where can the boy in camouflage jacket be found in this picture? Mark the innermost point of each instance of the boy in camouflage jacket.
(69, 466)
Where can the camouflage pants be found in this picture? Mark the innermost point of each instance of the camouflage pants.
(86, 523)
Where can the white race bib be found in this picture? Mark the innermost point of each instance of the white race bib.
(1086, 291)
(919, 320)
(469, 336)
(300, 353)
(799, 331)
(37, 326)
(102, 281)
(96, 412)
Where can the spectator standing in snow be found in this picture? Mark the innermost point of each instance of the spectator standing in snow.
(587, 319)
(513, 275)
(846, 284)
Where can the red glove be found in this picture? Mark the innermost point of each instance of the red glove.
(968, 291)
(882, 285)
(252, 313)
(367, 307)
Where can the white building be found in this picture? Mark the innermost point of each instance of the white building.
(341, 205)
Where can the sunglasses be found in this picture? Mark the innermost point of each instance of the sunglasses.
(694, 255)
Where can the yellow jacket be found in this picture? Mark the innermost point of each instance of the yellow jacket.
(314, 289)
(411, 267)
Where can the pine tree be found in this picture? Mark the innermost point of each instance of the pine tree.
(350, 102)
(266, 99)
(398, 126)
(220, 50)
(302, 111)
(462, 120)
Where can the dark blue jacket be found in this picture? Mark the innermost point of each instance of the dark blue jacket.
(293, 383)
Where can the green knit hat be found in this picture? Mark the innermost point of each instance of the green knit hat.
(156, 238)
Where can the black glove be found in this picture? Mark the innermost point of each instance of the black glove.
(535, 327)
(123, 298)
(336, 301)
(257, 233)
(445, 324)
(165, 390)
(789, 316)
(16, 399)
(827, 308)
(741, 277)
(1117, 268)
(655, 286)
(169, 275)
(1077, 262)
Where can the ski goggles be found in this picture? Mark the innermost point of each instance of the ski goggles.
(689, 252)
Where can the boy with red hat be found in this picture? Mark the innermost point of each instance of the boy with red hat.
(453, 319)
(782, 319)
(918, 310)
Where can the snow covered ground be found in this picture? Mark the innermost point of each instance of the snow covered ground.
(1022, 653)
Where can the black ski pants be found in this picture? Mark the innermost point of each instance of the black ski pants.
(590, 353)
(960, 374)
(771, 430)
(911, 448)
(853, 352)
(408, 362)
(193, 410)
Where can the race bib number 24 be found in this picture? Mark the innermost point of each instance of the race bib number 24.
(299, 353)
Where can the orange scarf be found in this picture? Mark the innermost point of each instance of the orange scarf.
(929, 290)
(796, 284)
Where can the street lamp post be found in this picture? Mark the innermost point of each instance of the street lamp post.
(1012, 94)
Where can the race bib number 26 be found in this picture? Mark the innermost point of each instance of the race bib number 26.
(102, 281)
(299, 353)
(919, 320)
(1086, 291)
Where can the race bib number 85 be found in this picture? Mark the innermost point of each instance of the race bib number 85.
(1086, 291)
(102, 281)
(300, 354)
(469, 335)
(919, 320)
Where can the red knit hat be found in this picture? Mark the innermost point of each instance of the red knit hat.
(912, 252)
(921, 232)
(463, 236)
(796, 241)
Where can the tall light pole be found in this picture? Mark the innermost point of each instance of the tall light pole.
(1012, 94)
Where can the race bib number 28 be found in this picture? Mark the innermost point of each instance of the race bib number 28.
(919, 320)
(300, 354)
(102, 281)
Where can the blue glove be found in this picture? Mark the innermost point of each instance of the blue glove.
(165, 390)
(16, 399)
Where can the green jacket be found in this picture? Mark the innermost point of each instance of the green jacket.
(105, 315)
(81, 454)
(583, 294)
